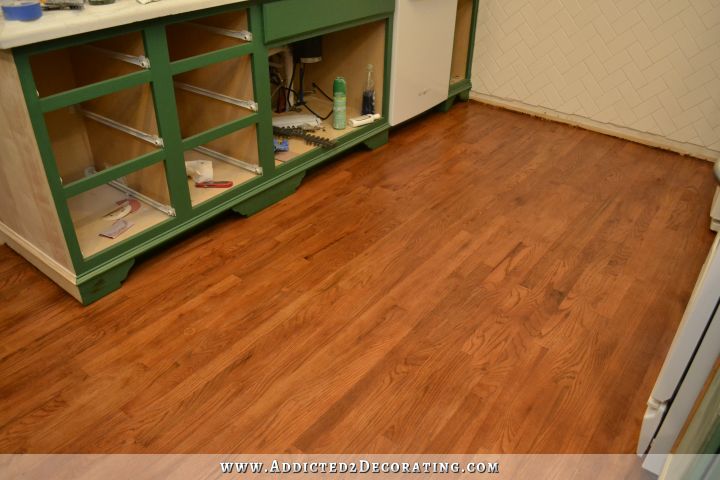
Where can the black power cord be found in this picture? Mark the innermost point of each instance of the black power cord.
(297, 95)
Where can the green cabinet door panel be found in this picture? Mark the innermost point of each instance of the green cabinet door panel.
(291, 18)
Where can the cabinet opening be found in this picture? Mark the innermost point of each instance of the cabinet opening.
(345, 53)
(461, 45)
(228, 161)
(103, 132)
(212, 96)
(205, 35)
(73, 67)
(121, 209)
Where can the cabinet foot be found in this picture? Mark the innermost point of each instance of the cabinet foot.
(99, 286)
(447, 104)
(271, 196)
(462, 96)
(378, 140)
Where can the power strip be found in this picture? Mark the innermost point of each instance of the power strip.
(297, 120)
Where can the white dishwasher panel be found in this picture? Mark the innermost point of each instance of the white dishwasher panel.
(423, 35)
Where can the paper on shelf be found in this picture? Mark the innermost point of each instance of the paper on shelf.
(116, 229)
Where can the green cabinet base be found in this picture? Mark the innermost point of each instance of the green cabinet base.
(269, 197)
(378, 140)
(447, 104)
(459, 91)
(98, 286)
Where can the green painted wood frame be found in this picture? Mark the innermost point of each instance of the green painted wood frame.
(285, 20)
(110, 261)
(159, 76)
(464, 86)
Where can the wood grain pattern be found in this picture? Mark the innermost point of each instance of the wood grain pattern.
(185, 39)
(67, 68)
(26, 207)
(199, 113)
(486, 282)
(461, 42)
(347, 53)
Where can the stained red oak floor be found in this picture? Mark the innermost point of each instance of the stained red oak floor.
(487, 282)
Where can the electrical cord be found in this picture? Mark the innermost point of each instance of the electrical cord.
(321, 91)
(289, 87)
(319, 116)
(304, 104)
(296, 105)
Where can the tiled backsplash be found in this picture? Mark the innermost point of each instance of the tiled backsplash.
(646, 66)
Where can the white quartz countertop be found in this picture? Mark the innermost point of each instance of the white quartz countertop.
(63, 23)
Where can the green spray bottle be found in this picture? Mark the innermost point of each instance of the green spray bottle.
(339, 104)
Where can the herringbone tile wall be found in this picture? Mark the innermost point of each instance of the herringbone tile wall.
(652, 66)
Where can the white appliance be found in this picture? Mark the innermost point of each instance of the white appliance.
(423, 34)
(692, 355)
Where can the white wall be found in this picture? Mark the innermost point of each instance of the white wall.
(642, 69)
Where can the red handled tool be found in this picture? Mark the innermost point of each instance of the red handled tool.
(215, 184)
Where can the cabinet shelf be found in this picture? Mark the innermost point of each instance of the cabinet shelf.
(88, 210)
(234, 158)
(346, 53)
(132, 193)
(298, 146)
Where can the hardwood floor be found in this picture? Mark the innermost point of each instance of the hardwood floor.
(487, 282)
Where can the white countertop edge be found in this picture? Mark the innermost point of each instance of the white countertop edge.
(64, 23)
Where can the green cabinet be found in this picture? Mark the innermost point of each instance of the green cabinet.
(291, 18)
(120, 116)
(108, 135)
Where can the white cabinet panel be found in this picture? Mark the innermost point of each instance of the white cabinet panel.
(422, 53)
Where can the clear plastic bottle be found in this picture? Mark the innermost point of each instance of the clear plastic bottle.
(368, 101)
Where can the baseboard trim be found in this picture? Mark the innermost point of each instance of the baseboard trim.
(57, 273)
(625, 133)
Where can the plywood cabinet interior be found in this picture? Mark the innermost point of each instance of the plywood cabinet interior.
(463, 37)
(346, 53)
